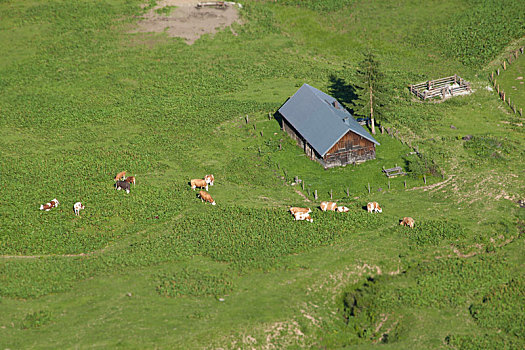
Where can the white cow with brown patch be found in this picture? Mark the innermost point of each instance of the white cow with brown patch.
(77, 207)
(303, 216)
(295, 210)
(209, 178)
(328, 206)
(373, 207)
(342, 209)
(206, 197)
(50, 205)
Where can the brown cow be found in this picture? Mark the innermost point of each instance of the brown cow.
(199, 183)
(373, 207)
(295, 210)
(407, 221)
(120, 176)
(131, 180)
(206, 197)
(328, 206)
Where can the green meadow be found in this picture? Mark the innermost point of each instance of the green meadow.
(83, 98)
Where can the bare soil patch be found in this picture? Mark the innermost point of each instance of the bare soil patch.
(186, 20)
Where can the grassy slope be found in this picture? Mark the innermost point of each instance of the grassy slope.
(101, 101)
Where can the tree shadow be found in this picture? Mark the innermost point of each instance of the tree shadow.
(343, 92)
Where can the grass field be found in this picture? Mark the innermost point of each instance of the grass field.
(82, 99)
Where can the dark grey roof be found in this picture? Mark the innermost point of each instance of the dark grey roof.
(315, 116)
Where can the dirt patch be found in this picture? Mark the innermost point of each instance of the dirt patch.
(185, 20)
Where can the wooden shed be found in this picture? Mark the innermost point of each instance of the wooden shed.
(325, 129)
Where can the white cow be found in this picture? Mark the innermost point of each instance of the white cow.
(77, 206)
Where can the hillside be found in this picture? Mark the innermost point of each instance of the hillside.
(85, 95)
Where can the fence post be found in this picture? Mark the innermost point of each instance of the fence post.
(302, 184)
(425, 179)
(261, 133)
(269, 116)
(497, 72)
(521, 112)
(280, 146)
(347, 192)
(405, 183)
(315, 194)
(369, 187)
(504, 65)
(247, 119)
(331, 194)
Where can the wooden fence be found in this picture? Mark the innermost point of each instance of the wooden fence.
(449, 86)
(493, 79)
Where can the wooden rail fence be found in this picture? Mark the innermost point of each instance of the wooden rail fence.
(493, 79)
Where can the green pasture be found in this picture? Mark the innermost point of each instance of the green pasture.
(82, 99)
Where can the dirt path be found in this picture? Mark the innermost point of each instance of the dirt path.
(302, 195)
(439, 185)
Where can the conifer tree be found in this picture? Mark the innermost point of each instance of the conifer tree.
(371, 98)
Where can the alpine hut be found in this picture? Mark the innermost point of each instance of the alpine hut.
(325, 129)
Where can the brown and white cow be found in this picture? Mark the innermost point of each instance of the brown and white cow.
(120, 176)
(407, 221)
(76, 207)
(209, 179)
(295, 210)
(131, 180)
(342, 209)
(328, 206)
(198, 183)
(48, 206)
(206, 197)
(373, 207)
(303, 216)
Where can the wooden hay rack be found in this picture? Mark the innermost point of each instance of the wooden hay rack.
(444, 88)
(393, 172)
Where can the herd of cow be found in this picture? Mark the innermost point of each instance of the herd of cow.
(372, 207)
(121, 183)
(124, 183)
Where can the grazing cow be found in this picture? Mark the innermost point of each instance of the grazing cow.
(342, 209)
(206, 197)
(295, 210)
(303, 216)
(199, 183)
(131, 180)
(407, 221)
(120, 176)
(77, 206)
(122, 185)
(209, 179)
(373, 207)
(328, 206)
(48, 206)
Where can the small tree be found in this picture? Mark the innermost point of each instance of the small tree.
(371, 98)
